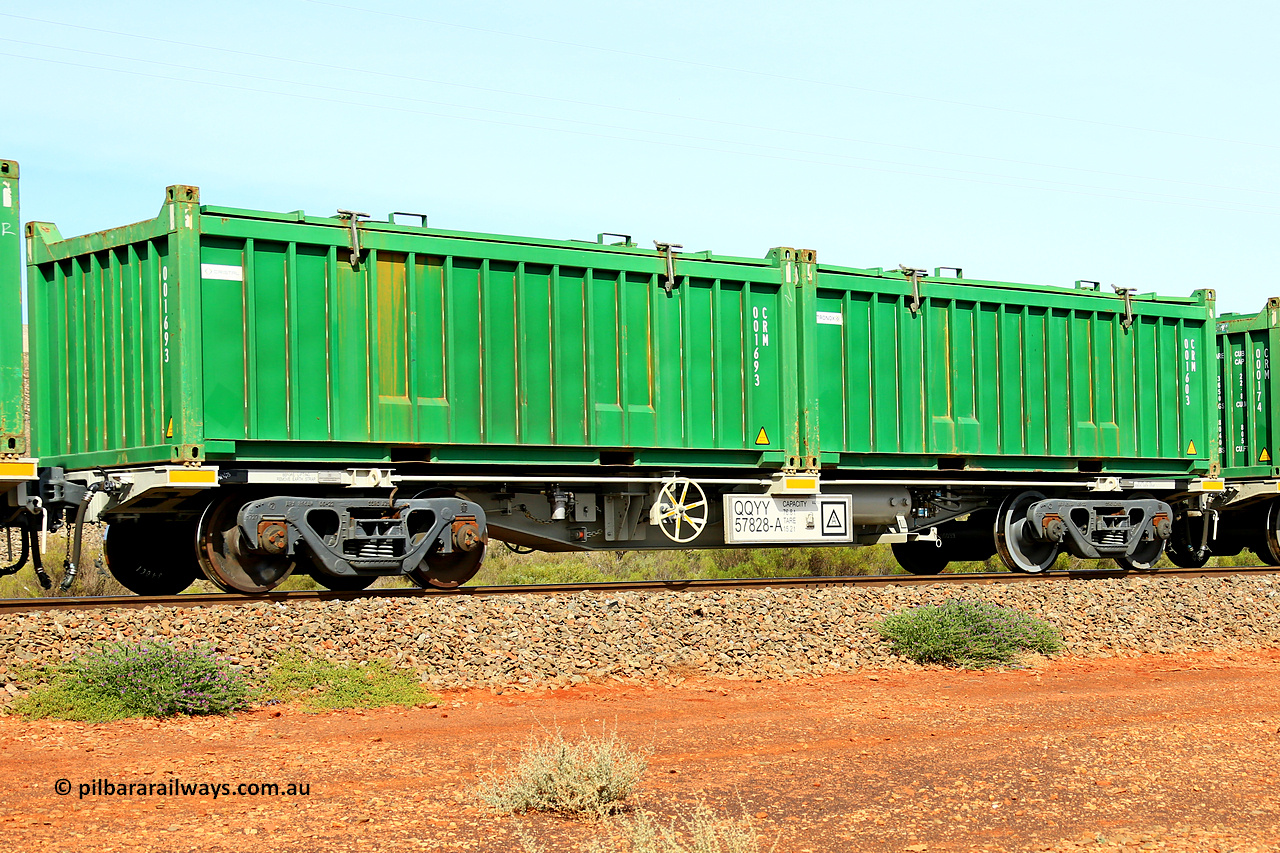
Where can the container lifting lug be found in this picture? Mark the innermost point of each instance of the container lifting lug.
(354, 217)
(391, 217)
(669, 283)
(913, 275)
(1127, 293)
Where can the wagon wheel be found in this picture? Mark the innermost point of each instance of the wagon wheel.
(1183, 545)
(920, 558)
(449, 571)
(1018, 549)
(157, 558)
(1147, 554)
(227, 562)
(1145, 557)
(676, 507)
(1267, 543)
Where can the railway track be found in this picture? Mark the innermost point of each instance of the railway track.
(20, 605)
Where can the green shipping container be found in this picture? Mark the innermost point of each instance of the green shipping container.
(993, 375)
(11, 426)
(1246, 393)
(216, 333)
(220, 334)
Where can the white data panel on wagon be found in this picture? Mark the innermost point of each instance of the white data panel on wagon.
(818, 519)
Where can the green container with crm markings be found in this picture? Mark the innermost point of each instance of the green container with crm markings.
(12, 440)
(239, 336)
(920, 371)
(1248, 391)
(219, 334)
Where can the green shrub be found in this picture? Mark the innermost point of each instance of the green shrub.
(967, 634)
(324, 685)
(138, 680)
(587, 778)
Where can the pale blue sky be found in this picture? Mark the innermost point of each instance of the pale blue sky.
(1136, 143)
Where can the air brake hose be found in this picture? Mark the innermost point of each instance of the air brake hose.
(22, 559)
(30, 550)
(73, 559)
(37, 560)
(1207, 517)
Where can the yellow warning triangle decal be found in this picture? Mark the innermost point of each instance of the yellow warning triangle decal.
(762, 437)
(1264, 456)
(1191, 449)
(169, 432)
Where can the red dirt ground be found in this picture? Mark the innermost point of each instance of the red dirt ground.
(1175, 752)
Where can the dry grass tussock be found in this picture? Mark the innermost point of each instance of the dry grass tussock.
(590, 777)
(701, 830)
(593, 777)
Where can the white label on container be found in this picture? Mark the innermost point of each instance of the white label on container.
(760, 338)
(8, 195)
(222, 272)
(783, 519)
(830, 318)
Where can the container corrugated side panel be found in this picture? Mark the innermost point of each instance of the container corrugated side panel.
(111, 315)
(11, 419)
(1011, 377)
(1245, 393)
(98, 345)
(464, 344)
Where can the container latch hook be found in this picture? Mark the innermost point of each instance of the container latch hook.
(669, 283)
(913, 276)
(1127, 293)
(354, 216)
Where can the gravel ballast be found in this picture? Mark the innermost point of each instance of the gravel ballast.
(534, 641)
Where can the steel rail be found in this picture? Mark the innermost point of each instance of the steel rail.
(21, 605)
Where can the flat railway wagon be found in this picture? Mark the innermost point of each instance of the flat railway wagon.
(243, 394)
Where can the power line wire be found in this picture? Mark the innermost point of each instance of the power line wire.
(623, 129)
(791, 78)
(616, 107)
(1111, 195)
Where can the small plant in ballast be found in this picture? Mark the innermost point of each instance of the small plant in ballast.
(323, 685)
(590, 777)
(967, 634)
